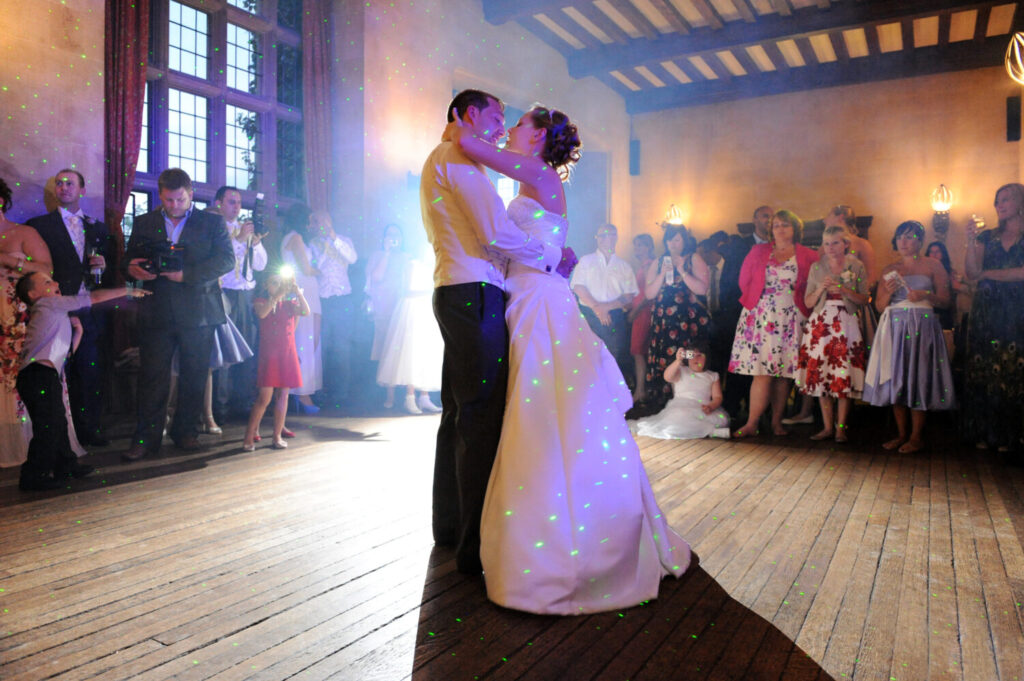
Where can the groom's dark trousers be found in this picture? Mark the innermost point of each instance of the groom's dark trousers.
(474, 378)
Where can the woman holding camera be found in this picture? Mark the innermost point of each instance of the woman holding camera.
(994, 382)
(677, 282)
(909, 366)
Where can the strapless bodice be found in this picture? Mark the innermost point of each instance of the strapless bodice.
(541, 224)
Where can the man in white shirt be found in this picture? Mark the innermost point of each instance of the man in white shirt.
(605, 285)
(79, 247)
(332, 254)
(472, 236)
(235, 387)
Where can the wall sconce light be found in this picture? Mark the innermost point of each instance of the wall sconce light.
(942, 201)
(1014, 61)
(674, 216)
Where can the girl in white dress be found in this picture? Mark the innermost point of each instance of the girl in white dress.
(695, 410)
(570, 524)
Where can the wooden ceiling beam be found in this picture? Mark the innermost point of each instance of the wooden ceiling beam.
(551, 38)
(782, 7)
(748, 64)
(775, 56)
(806, 51)
(567, 24)
(745, 10)
(672, 16)
(945, 19)
(601, 20)
(871, 36)
(890, 66)
(839, 44)
(636, 17)
(498, 12)
(771, 27)
(708, 12)
(981, 24)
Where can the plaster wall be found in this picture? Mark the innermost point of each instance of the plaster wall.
(51, 100)
(880, 147)
(416, 54)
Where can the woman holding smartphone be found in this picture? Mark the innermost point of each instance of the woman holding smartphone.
(909, 366)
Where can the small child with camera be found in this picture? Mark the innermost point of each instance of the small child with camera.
(278, 360)
(695, 409)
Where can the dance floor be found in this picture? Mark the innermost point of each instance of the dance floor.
(817, 561)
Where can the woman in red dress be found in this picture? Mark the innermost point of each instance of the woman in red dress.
(278, 361)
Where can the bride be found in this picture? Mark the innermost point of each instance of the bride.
(570, 524)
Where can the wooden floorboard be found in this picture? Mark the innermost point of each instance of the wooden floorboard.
(817, 561)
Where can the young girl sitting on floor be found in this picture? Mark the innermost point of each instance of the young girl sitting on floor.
(278, 360)
(695, 408)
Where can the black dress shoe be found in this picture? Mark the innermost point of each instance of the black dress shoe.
(188, 444)
(75, 470)
(39, 484)
(135, 452)
(95, 441)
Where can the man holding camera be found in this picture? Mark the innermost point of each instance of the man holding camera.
(177, 253)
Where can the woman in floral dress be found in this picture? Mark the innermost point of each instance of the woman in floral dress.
(22, 251)
(773, 280)
(993, 396)
(677, 282)
(831, 361)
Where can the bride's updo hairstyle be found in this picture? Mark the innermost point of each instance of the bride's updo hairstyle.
(562, 145)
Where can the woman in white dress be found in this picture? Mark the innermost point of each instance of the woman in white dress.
(570, 524)
(295, 253)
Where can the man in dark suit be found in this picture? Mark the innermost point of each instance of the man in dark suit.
(737, 386)
(79, 245)
(182, 313)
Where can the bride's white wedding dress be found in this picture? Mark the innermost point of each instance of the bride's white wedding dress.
(570, 524)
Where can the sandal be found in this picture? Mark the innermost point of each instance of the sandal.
(823, 435)
(893, 444)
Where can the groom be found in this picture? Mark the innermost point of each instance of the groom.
(473, 239)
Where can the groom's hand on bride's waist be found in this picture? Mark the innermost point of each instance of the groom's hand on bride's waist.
(567, 263)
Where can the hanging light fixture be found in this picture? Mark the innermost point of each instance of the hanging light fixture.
(1014, 61)
(674, 216)
(942, 201)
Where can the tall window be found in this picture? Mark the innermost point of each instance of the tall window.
(243, 57)
(187, 133)
(142, 165)
(224, 98)
(241, 146)
(187, 39)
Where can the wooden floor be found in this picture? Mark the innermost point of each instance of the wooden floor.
(316, 563)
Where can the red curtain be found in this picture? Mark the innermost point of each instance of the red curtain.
(126, 54)
(316, 100)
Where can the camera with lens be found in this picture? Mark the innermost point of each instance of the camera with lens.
(164, 257)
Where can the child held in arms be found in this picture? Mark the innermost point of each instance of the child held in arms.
(51, 336)
(695, 409)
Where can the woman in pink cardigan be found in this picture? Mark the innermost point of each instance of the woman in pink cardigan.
(773, 280)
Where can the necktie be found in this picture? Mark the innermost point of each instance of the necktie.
(77, 235)
(713, 289)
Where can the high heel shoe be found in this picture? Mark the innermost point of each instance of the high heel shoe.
(287, 433)
(280, 444)
(249, 447)
(211, 428)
